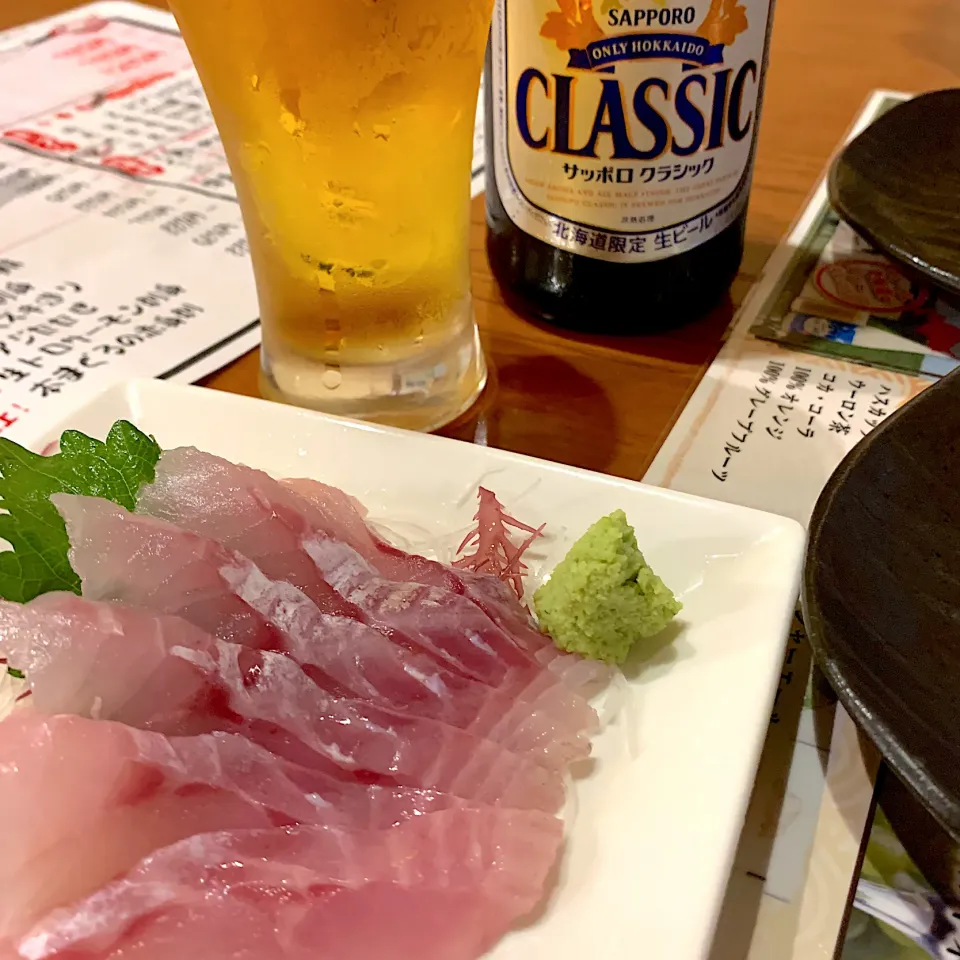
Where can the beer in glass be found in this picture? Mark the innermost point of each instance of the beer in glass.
(348, 126)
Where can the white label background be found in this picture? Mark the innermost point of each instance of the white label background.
(550, 203)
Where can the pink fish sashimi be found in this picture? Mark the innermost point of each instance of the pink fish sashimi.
(111, 662)
(102, 659)
(268, 698)
(375, 745)
(158, 567)
(83, 800)
(445, 886)
(137, 559)
(252, 513)
(220, 500)
(336, 514)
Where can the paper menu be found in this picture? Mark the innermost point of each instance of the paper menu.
(119, 256)
(121, 242)
(770, 426)
(845, 300)
(102, 49)
(765, 428)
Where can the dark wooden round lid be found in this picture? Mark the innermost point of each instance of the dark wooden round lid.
(898, 185)
(881, 592)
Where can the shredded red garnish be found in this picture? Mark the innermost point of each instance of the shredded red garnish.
(494, 551)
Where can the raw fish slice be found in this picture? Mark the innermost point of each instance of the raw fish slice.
(103, 660)
(441, 887)
(225, 503)
(443, 618)
(135, 560)
(337, 515)
(117, 656)
(111, 662)
(266, 697)
(233, 504)
(373, 663)
(251, 512)
(138, 559)
(527, 710)
(149, 562)
(83, 800)
(301, 723)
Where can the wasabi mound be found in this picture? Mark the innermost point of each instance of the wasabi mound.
(603, 597)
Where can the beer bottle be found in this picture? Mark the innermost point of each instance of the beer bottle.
(620, 143)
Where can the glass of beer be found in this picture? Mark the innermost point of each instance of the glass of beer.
(348, 126)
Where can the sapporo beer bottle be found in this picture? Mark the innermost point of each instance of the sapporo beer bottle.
(620, 142)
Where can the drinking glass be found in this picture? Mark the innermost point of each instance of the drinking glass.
(348, 127)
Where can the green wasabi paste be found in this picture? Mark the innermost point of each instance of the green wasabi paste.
(603, 597)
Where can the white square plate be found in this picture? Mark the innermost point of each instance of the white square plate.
(655, 823)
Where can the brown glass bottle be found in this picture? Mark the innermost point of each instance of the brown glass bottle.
(587, 293)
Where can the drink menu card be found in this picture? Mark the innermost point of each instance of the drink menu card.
(765, 428)
(843, 299)
(122, 249)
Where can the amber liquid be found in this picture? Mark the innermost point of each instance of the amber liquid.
(349, 131)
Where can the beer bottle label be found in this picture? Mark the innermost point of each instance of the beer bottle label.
(624, 130)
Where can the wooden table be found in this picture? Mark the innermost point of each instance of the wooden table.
(607, 404)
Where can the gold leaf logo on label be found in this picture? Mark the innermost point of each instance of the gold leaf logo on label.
(573, 26)
(724, 22)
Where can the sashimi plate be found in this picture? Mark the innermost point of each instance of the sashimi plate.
(655, 815)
